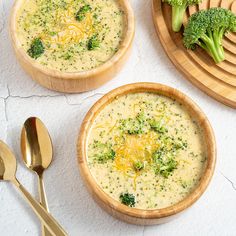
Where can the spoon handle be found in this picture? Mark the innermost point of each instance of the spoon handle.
(43, 201)
(51, 224)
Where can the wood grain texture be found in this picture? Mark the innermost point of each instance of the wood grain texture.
(74, 82)
(115, 208)
(217, 80)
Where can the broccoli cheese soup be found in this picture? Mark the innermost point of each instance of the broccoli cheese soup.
(146, 151)
(71, 35)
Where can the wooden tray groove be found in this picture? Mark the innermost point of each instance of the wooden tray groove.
(193, 59)
(229, 57)
(217, 80)
(217, 72)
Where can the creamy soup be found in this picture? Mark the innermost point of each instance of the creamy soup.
(71, 35)
(146, 151)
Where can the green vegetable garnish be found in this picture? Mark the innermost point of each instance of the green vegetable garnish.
(127, 199)
(138, 165)
(36, 48)
(104, 152)
(158, 126)
(164, 163)
(137, 125)
(93, 43)
(178, 10)
(80, 15)
(206, 29)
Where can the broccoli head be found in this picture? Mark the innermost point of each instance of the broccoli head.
(139, 165)
(93, 43)
(80, 15)
(127, 199)
(36, 48)
(178, 9)
(206, 28)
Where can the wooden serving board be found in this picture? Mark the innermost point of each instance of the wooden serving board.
(217, 80)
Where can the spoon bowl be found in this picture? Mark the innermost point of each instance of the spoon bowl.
(36, 145)
(7, 163)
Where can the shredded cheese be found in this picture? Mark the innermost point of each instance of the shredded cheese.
(70, 30)
(134, 148)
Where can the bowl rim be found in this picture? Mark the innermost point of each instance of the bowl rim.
(191, 107)
(124, 46)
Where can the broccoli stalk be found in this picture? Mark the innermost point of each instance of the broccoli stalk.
(206, 29)
(178, 9)
(177, 16)
(212, 45)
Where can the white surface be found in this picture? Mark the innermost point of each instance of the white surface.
(213, 214)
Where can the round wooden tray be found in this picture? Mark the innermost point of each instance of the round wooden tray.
(217, 80)
(74, 82)
(134, 215)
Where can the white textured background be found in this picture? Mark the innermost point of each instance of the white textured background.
(69, 202)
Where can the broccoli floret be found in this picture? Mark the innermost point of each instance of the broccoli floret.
(93, 43)
(80, 15)
(36, 48)
(104, 152)
(137, 125)
(206, 28)
(138, 165)
(158, 126)
(178, 9)
(127, 199)
(164, 163)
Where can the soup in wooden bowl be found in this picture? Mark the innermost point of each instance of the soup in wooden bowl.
(146, 152)
(72, 45)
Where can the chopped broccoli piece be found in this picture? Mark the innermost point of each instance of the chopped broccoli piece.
(104, 152)
(206, 28)
(158, 126)
(164, 163)
(137, 125)
(178, 9)
(80, 15)
(138, 165)
(127, 199)
(93, 43)
(180, 145)
(36, 48)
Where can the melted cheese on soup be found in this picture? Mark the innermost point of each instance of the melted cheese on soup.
(71, 35)
(146, 151)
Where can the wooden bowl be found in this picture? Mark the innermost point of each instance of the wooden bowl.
(73, 82)
(115, 208)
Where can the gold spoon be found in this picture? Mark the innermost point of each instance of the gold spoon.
(7, 173)
(36, 149)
